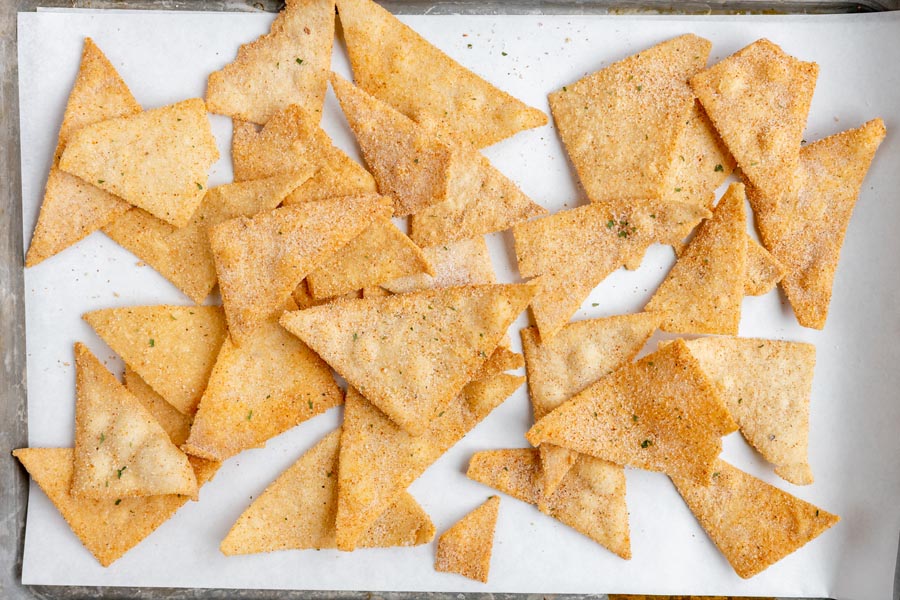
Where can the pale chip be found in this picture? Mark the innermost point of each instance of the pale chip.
(176, 425)
(466, 262)
(466, 547)
(764, 271)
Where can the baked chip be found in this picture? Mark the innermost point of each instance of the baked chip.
(172, 348)
(751, 522)
(466, 547)
(156, 160)
(410, 354)
(661, 413)
(590, 499)
(764, 271)
(260, 261)
(303, 299)
(621, 125)
(73, 208)
(466, 262)
(288, 65)
(503, 359)
(176, 424)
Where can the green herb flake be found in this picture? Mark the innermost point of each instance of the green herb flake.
(634, 418)
(199, 186)
(249, 415)
(716, 474)
(310, 404)
(119, 501)
(102, 437)
(610, 224)
(120, 471)
(565, 89)
(503, 53)
(355, 336)
(152, 342)
(469, 46)
(299, 61)
(101, 181)
(646, 444)
(677, 189)
(640, 87)
(719, 169)
(595, 304)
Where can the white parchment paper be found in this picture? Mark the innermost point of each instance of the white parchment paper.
(855, 410)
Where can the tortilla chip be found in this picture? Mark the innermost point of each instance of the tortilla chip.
(183, 256)
(176, 425)
(120, 449)
(466, 262)
(297, 511)
(572, 251)
(303, 299)
(764, 271)
(379, 254)
(260, 261)
(401, 68)
(466, 547)
(172, 348)
(807, 235)
(370, 438)
(408, 162)
(704, 290)
(758, 100)
(502, 359)
(590, 499)
(288, 65)
(661, 413)
(621, 125)
(156, 160)
(410, 354)
(751, 522)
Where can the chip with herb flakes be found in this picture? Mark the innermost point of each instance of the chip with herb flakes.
(288, 65)
(466, 262)
(590, 499)
(764, 271)
(466, 547)
(661, 413)
(73, 208)
(410, 354)
(172, 348)
(753, 524)
(157, 160)
(121, 451)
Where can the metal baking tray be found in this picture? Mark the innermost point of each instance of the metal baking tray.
(13, 408)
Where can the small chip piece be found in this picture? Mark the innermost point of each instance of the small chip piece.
(176, 425)
(751, 522)
(466, 547)
(156, 160)
(503, 359)
(288, 65)
(466, 262)
(764, 271)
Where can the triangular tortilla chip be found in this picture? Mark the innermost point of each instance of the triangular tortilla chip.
(764, 271)
(758, 100)
(172, 348)
(260, 261)
(704, 290)
(288, 65)
(408, 162)
(176, 424)
(751, 522)
(410, 354)
(108, 528)
(297, 511)
(73, 208)
(466, 262)
(466, 547)
(807, 235)
(183, 256)
(380, 253)
(370, 438)
(503, 359)
(572, 251)
(577, 356)
(621, 125)
(120, 449)
(661, 413)
(400, 67)
(590, 499)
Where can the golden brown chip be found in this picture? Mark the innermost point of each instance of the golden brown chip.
(621, 125)
(370, 438)
(120, 449)
(260, 261)
(466, 547)
(156, 160)
(661, 413)
(172, 348)
(288, 65)
(410, 354)
(704, 290)
(502, 359)
(466, 262)
(751, 522)
(764, 271)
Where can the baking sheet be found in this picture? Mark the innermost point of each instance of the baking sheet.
(165, 57)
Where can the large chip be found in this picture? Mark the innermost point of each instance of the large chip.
(621, 125)
(410, 354)
(764, 271)
(121, 451)
(807, 234)
(157, 160)
(590, 499)
(73, 208)
(408, 162)
(172, 348)
(370, 438)
(183, 255)
(758, 100)
(704, 290)
(751, 522)
(572, 251)
(297, 511)
(466, 547)
(467, 262)
(400, 67)
(260, 261)
(288, 65)
(661, 413)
